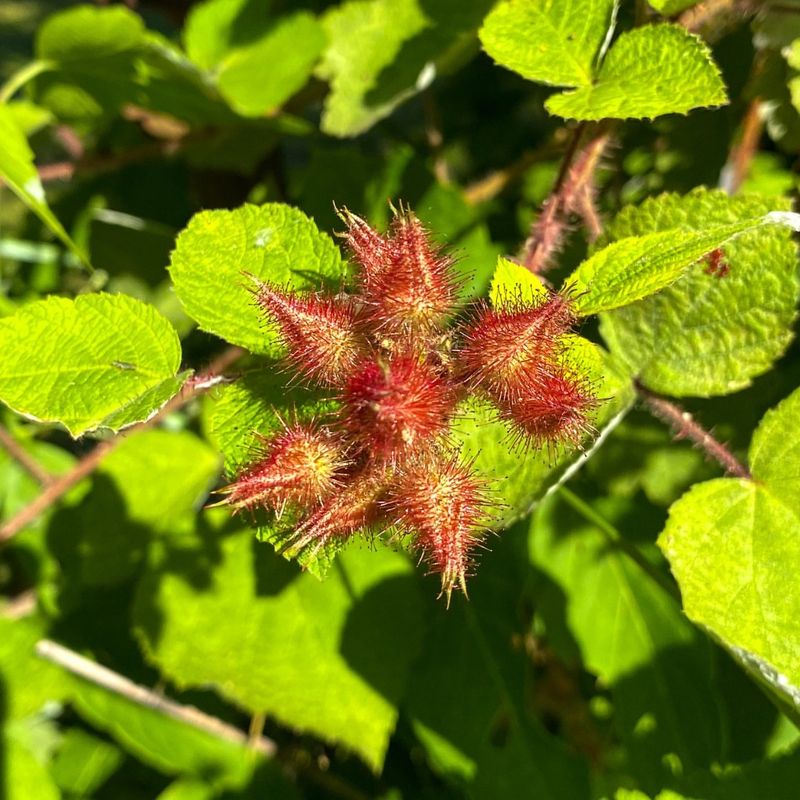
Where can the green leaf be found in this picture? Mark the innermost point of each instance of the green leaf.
(91, 56)
(23, 777)
(734, 547)
(649, 71)
(639, 266)
(72, 35)
(775, 778)
(549, 41)
(331, 659)
(87, 363)
(703, 335)
(630, 632)
(19, 172)
(519, 476)
(168, 745)
(470, 701)
(273, 242)
(150, 486)
(29, 683)
(214, 27)
(365, 36)
(381, 52)
(84, 762)
(187, 789)
(260, 76)
(513, 283)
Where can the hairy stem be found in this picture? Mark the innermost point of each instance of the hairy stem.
(686, 427)
(573, 193)
(736, 170)
(24, 458)
(55, 490)
(118, 684)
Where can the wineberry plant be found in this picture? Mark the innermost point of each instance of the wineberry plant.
(399, 400)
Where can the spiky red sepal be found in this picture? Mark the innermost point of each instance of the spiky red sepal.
(397, 404)
(501, 346)
(320, 332)
(370, 250)
(441, 504)
(354, 507)
(298, 467)
(554, 409)
(417, 290)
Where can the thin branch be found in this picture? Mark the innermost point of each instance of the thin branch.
(114, 682)
(165, 148)
(22, 605)
(190, 715)
(686, 427)
(573, 193)
(548, 227)
(435, 139)
(738, 166)
(61, 485)
(256, 729)
(712, 19)
(24, 458)
(494, 183)
(21, 77)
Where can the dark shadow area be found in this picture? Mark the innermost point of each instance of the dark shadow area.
(475, 685)
(192, 559)
(379, 626)
(253, 19)
(663, 708)
(749, 712)
(272, 573)
(95, 542)
(99, 626)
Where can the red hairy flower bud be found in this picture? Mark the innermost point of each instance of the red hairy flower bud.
(320, 332)
(370, 250)
(501, 345)
(299, 467)
(553, 410)
(441, 504)
(399, 371)
(417, 290)
(353, 508)
(397, 404)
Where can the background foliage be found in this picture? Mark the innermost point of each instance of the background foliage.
(633, 631)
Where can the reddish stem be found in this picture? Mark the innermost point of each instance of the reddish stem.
(89, 463)
(686, 427)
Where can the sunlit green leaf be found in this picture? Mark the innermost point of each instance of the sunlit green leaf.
(637, 267)
(273, 242)
(549, 41)
(707, 335)
(18, 171)
(649, 71)
(329, 658)
(734, 547)
(88, 363)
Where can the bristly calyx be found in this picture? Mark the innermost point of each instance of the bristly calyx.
(399, 363)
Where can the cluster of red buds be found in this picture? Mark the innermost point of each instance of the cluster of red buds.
(399, 363)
